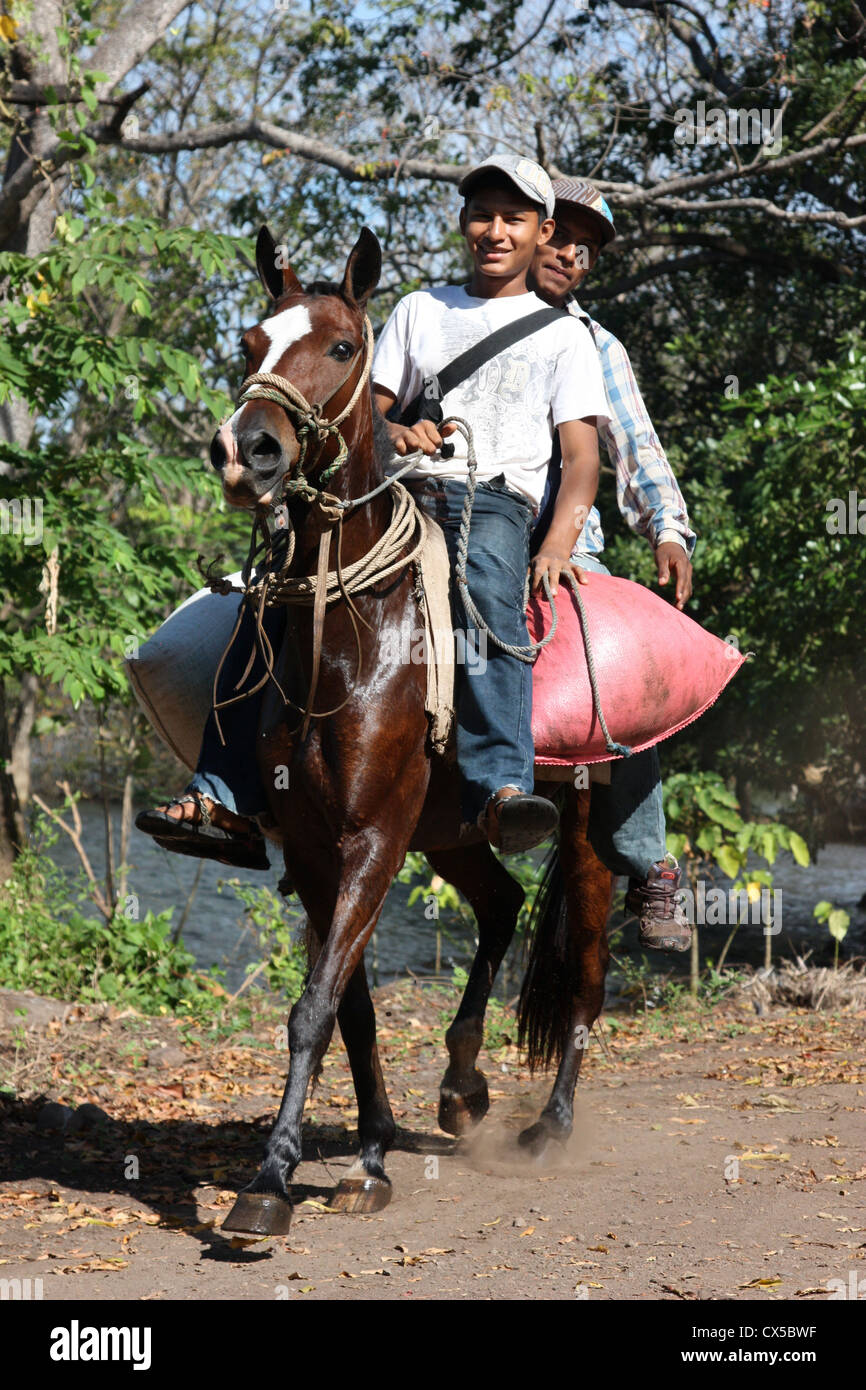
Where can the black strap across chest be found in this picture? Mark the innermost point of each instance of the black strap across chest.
(427, 405)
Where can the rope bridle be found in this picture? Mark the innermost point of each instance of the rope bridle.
(311, 424)
(275, 586)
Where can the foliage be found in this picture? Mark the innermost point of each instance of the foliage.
(284, 955)
(668, 1003)
(52, 947)
(113, 508)
(790, 448)
(838, 921)
(709, 832)
(710, 835)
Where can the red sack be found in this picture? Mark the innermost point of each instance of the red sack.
(656, 671)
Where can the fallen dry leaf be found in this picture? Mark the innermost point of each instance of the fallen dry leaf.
(89, 1265)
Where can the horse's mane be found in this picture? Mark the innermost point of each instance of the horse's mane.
(382, 446)
(325, 287)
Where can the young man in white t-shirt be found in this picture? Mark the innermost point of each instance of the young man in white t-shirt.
(548, 380)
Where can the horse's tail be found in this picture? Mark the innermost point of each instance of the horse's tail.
(544, 1011)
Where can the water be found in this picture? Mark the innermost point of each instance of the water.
(214, 929)
(406, 940)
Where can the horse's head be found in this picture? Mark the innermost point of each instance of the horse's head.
(313, 339)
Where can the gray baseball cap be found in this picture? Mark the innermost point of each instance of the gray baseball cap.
(525, 174)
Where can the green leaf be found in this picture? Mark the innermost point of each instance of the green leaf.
(768, 846)
(838, 923)
(709, 839)
(729, 861)
(799, 849)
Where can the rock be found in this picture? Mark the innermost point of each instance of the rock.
(88, 1117)
(34, 1011)
(519, 1221)
(54, 1116)
(169, 1056)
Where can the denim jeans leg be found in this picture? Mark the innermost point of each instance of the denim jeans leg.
(229, 773)
(626, 819)
(493, 690)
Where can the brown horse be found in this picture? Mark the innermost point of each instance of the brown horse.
(363, 785)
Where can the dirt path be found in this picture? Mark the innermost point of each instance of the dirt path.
(717, 1156)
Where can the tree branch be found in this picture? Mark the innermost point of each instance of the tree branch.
(629, 195)
(710, 68)
(74, 833)
(675, 266)
(134, 32)
(727, 246)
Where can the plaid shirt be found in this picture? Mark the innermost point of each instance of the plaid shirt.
(646, 489)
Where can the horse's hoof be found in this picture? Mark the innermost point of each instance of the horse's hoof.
(260, 1214)
(539, 1143)
(361, 1195)
(459, 1113)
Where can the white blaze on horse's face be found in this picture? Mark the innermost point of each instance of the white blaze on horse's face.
(283, 330)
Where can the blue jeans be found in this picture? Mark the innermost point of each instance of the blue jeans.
(626, 818)
(493, 690)
(230, 773)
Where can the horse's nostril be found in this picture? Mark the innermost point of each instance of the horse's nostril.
(217, 454)
(261, 448)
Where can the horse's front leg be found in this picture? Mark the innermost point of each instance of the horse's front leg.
(496, 899)
(367, 869)
(563, 991)
(365, 1187)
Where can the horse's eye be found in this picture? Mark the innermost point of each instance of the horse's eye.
(341, 351)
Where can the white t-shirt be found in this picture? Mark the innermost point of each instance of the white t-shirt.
(514, 402)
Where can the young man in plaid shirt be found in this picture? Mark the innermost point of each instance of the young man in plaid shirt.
(627, 824)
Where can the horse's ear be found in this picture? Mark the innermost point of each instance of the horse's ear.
(274, 270)
(363, 268)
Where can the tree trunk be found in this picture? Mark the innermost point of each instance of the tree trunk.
(22, 728)
(13, 831)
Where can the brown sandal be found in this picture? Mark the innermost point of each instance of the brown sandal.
(201, 838)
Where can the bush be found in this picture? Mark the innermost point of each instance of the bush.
(284, 955)
(49, 945)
